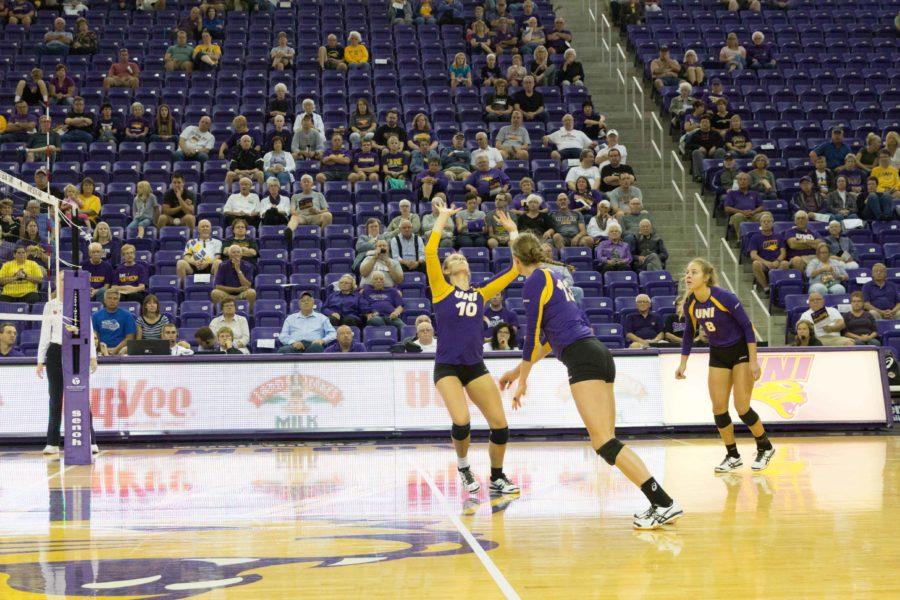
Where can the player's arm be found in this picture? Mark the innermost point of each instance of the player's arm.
(439, 286)
(687, 340)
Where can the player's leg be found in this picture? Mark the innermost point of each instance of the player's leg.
(743, 390)
(485, 395)
(454, 397)
(719, 384)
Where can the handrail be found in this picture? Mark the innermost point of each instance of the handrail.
(606, 42)
(680, 190)
(704, 234)
(656, 127)
(638, 114)
(737, 267)
(593, 15)
(764, 308)
(620, 72)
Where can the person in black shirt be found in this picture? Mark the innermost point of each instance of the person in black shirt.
(534, 221)
(79, 123)
(612, 171)
(245, 162)
(530, 101)
(390, 129)
(331, 55)
(705, 143)
(499, 104)
(177, 205)
(721, 119)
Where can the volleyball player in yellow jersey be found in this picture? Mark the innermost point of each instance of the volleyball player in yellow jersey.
(459, 365)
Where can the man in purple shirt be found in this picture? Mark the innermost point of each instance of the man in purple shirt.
(8, 341)
(345, 342)
(767, 251)
(131, 278)
(20, 125)
(880, 294)
(430, 181)
(742, 204)
(335, 161)
(234, 279)
(759, 54)
(801, 241)
(558, 39)
(486, 182)
(643, 327)
(613, 254)
(102, 273)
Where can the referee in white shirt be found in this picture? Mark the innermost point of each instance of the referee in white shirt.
(50, 355)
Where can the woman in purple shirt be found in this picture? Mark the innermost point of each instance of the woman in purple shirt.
(732, 359)
(551, 310)
(342, 305)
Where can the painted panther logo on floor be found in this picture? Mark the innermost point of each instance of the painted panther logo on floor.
(164, 578)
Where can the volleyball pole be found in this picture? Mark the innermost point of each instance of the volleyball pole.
(76, 355)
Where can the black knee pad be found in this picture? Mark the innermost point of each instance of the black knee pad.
(750, 418)
(460, 432)
(499, 436)
(610, 450)
(723, 420)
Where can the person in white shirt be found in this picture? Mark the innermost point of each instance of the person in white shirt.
(240, 329)
(569, 142)
(309, 108)
(612, 142)
(196, 141)
(202, 254)
(598, 226)
(425, 337)
(586, 169)
(408, 248)
(49, 356)
(380, 259)
(278, 163)
(243, 204)
(176, 348)
(827, 320)
(274, 207)
(495, 159)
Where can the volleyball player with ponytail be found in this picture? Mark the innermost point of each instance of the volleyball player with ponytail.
(732, 359)
(459, 363)
(552, 312)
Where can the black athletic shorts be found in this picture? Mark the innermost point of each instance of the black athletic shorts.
(726, 357)
(465, 373)
(588, 359)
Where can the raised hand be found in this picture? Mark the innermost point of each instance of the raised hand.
(506, 221)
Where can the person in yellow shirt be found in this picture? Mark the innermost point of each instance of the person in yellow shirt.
(19, 279)
(887, 175)
(90, 202)
(2, 123)
(355, 54)
(206, 53)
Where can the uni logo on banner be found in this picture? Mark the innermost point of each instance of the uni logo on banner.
(781, 383)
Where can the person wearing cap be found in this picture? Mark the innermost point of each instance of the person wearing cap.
(809, 199)
(664, 69)
(306, 331)
(612, 143)
(705, 143)
(456, 159)
(44, 143)
(742, 204)
(834, 151)
(42, 182)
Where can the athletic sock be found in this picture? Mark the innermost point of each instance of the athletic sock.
(763, 443)
(496, 473)
(732, 450)
(462, 462)
(655, 494)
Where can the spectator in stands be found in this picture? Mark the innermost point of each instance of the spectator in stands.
(309, 108)
(841, 203)
(726, 179)
(859, 323)
(767, 251)
(496, 312)
(664, 69)
(736, 5)
(278, 164)
(344, 341)
(165, 129)
(391, 128)
(742, 204)
(366, 164)
(342, 306)
(365, 243)
(620, 197)
(363, 123)
(614, 254)
(306, 331)
(8, 335)
(516, 72)
(281, 105)
(395, 164)
(180, 55)
(424, 340)
(430, 181)
(531, 37)
(827, 322)
(379, 260)
(381, 305)
(892, 145)
(234, 278)
(681, 104)
(497, 234)
(598, 227)
(801, 241)
(887, 175)
(486, 182)
(331, 55)
(449, 12)
(114, 326)
(471, 223)
(495, 158)
(809, 199)
(491, 74)
(235, 323)
(877, 206)
(201, 254)
(19, 278)
(30, 238)
(460, 72)
(691, 70)
(178, 205)
(307, 143)
(806, 335)
(282, 55)
(502, 338)
(721, 118)
(108, 126)
(242, 204)
(586, 170)
(705, 143)
(408, 248)
(206, 341)
(418, 161)
(44, 143)
(733, 54)
(759, 54)
(400, 12)
(79, 123)
(571, 72)
(84, 41)
(534, 220)
(101, 272)
(568, 141)
(826, 276)
(612, 172)
(611, 143)
(355, 53)
(103, 236)
(448, 234)
(584, 198)
(880, 294)
(192, 23)
(421, 131)
(737, 139)
(513, 140)
(144, 210)
(335, 163)
(20, 125)
(644, 327)
(274, 207)
(405, 214)
(822, 177)
(834, 151)
(762, 181)
(530, 101)
(240, 127)
(62, 87)
(225, 338)
(867, 157)
(558, 39)
(499, 104)
(32, 89)
(456, 159)
(132, 278)
(196, 141)
(568, 226)
(543, 71)
(648, 249)
(279, 131)
(248, 245)
(506, 41)
(631, 218)
(136, 125)
(151, 320)
(124, 73)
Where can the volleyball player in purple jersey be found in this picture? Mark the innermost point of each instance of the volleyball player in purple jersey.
(551, 310)
(459, 363)
(732, 359)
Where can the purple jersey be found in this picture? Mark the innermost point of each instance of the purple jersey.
(459, 314)
(550, 309)
(383, 302)
(767, 246)
(134, 275)
(101, 273)
(804, 236)
(721, 316)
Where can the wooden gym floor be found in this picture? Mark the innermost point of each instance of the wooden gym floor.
(390, 521)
